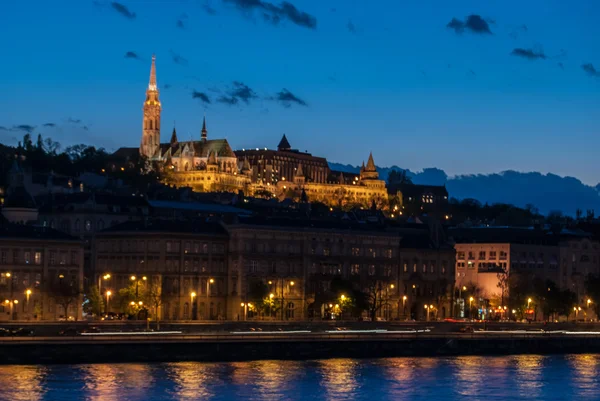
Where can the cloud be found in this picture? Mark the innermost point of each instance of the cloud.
(561, 66)
(473, 23)
(200, 95)
(2, 128)
(230, 100)
(50, 125)
(286, 98)
(85, 127)
(181, 21)
(208, 9)
(273, 13)
(178, 59)
(167, 86)
(238, 91)
(22, 127)
(123, 10)
(590, 70)
(132, 55)
(471, 73)
(528, 53)
(74, 121)
(351, 27)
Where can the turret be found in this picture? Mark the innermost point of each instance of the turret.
(151, 121)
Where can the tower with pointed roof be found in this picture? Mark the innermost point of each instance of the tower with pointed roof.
(369, 172)
(151, 122)
(204, 133)
(299, 178)
(284, 144)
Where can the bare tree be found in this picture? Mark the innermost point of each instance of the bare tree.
(154, 299)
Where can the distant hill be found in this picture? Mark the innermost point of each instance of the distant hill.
(546, 191)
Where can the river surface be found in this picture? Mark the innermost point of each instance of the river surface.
(523, 377)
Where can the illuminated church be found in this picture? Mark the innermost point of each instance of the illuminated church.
(210, 165)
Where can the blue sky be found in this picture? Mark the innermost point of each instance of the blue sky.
(382, 76)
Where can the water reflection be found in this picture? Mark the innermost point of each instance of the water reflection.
(528, 375)
(192, 380)
(22, 382)
(585, 377)
(102, 381)
(470, 380)
(338, 377)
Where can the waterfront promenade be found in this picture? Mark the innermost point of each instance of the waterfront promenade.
(240, 345)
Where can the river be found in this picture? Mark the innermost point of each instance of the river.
(528, 377)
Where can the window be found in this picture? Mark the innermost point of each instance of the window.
(52, 257)
(432, 266)
(88, 226)
(444, 265)
(481, 255)
(471, 255)
(493, 255)
(388, 253)
(460, 255)
(186, 247)
(355, 251)
(169, 246)
(77, 225)
(372, 252)
(326, 251)
(424, 267)
(253, 266)
(4, 257)
(371, 270)
(27, 257)
(387, 270)
(503, 255)
(405, 267)
(100, 225)
(355, 269)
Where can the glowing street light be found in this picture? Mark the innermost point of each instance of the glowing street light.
(528, 302)
(208, 283)
(108, 294)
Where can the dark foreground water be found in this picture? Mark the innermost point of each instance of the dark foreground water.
(471, 378)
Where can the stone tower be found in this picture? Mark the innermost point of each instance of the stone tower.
(151, 123)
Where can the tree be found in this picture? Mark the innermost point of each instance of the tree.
(65, 294)
(502, 284)
(94, 302)
(376, 297)
(400, 177)
(153, 298)
(592, 289)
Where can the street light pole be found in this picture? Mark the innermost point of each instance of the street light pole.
(208, 283)
(192, 295)
(404, 298)
(108, 294)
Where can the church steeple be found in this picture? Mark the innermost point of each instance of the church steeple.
(151, 122)
(204, 133)
(174, 140)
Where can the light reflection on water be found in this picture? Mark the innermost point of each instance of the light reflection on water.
(530, 377)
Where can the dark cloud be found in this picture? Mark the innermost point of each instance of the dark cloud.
(74, 121)
(208, 9)
(50, 125)
(123, 10)
(561, 66)
(473, 23)
(178, 59)
(2, 128)
(351, 27)
(23, 128)
(181, 21)
(200, 95)
(85, 127)
(166, 86)
(238, 91)
(590, 70)
(471, 73)
(273, 13)
(132, 55)
(286, 98)
(528, 53)
(230, 100)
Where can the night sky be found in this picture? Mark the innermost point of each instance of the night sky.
(466, 86)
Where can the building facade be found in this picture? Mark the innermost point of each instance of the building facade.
(41, 274)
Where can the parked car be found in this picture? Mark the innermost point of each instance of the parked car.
(466, 329)
(5, 332)
(22, 332)
(69, 331)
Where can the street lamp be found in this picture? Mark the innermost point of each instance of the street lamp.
(471, 299)
(271, 295)
(108, 294)
(192, 296)
(245, 306)
(208, 283)
(100, 278)
(427, 309)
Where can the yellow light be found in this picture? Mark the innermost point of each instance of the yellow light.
(471, 299)
(343, 297)
(337, 306)
(514, 311)
(589, 301)
(28, 292)
(7, 274)
(271, 295)
(122, 168)
(106, 276)
(211, 281)
(579, 308)
(575, 308)
(242, 304)
(392, 286)
(132, 303)
(405, 297)
(430, 306)
(330, 305)
(16, 302)
(447, 217)
(193, 294)
(144, 278)
(464, 288)
(426, 306)
(7, 301)
(249, 305)
(109, 293)
(270, 282)
(141, 303)
(283, 178)
(132, 278)
(528, 299)
(292, 283)
(61, 276)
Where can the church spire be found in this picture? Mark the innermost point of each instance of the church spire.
(174, 140)
(152, 83)
(371, 163)
(204, 131)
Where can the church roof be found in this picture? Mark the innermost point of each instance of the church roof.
(284, 144)
(203, 148)
(370, 163)
(19, 198)
(174, 137)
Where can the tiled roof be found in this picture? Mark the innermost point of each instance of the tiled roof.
(168, 226)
